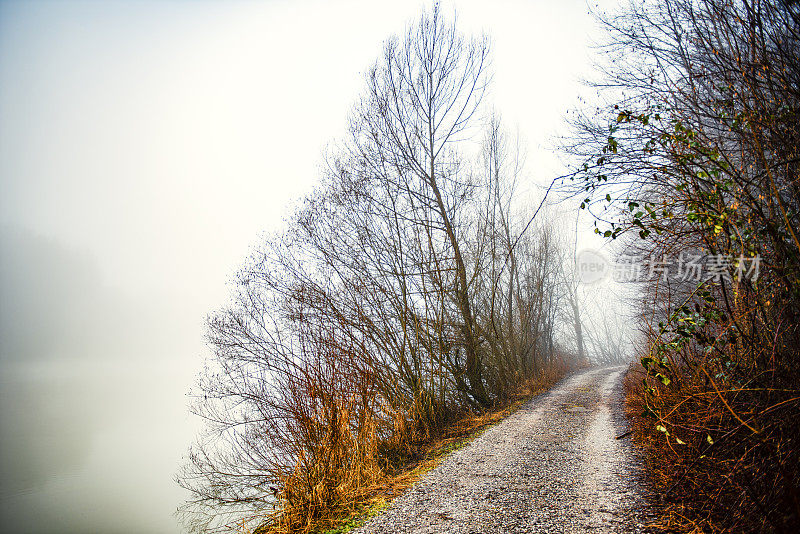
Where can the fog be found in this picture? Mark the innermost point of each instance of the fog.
(144, 147)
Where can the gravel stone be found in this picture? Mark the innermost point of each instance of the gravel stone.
(554, 465)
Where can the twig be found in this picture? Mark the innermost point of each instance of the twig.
(625, 435)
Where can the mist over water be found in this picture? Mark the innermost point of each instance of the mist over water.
(65, 472)
(93, 419)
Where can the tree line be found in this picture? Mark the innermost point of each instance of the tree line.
(410, 288)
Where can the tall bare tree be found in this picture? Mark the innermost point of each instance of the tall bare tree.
(385, 309)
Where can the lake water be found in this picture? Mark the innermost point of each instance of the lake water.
(87, 447)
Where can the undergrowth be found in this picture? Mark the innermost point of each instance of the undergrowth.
(696, 174)
(401, 469)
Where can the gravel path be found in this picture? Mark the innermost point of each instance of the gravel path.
(553, 466)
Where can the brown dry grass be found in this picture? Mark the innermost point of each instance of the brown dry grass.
(737, 481)
(664, 465)
(370, 480)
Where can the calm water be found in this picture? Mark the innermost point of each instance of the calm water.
(91, 448)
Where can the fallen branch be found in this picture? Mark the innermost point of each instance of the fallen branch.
(625, 435)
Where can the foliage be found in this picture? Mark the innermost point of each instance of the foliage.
(699, 155)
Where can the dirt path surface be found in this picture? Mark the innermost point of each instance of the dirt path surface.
(553, 466)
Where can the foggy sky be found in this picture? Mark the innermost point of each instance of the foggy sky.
(144, 147)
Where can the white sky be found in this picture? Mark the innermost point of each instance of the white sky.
(143, 148)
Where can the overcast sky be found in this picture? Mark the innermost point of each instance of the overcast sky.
(144, 146)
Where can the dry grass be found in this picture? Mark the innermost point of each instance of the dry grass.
(736, 481)
(664, 466)
(370, 482)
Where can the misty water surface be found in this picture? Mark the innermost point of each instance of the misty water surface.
(93, 420)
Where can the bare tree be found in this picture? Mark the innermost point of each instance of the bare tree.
(385, 309)
(421, 100)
